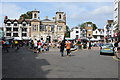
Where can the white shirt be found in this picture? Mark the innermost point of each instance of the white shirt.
(35, 43)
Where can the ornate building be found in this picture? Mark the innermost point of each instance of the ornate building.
(35, 28)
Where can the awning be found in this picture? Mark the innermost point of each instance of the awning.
(93, 39)
(17, 38)
(25, 38)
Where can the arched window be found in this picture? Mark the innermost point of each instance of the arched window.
(59, 16)
(35, 15)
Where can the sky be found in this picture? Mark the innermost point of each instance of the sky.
(76, 12)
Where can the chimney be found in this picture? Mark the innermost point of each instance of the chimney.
(46, 17)
(6, 17)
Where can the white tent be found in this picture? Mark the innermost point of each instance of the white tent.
(17, 38)
(93, 39)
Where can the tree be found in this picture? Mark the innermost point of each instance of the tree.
(94, 26)
(67, 33)
(67, 28)
(83, 25)
(27, 15)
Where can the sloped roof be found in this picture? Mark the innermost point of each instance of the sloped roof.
(35, 20)
(19, 20)
(46, 20)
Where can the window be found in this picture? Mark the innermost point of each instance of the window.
(83, 31)
(24, 29)
(24, 24)
(95, 37)
(83, 35)
(77, 36)
(8, 24)
(8, 29)
(77, 31)
(59, 16)
(24, 34)
(59, 28)
(15, 34)
(89, 35)
(8, 34)
(42, 27)
(35, 15)
(52, 27)
(15, 29)
(15, 24)
(96, 32)
(34, 28)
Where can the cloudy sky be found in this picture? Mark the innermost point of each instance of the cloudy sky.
(77, 12)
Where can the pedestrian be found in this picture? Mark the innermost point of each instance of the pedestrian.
(7, 45)
(62, 46)
(89, 46)
(116, 46)
(68, 44)
(16, 44)
(39, 46)
(35, 46)
(118, 49)
(3, 44)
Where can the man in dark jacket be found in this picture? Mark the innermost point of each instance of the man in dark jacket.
(62, 46)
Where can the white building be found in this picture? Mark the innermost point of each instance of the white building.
(117, 19)
(36, 28)
(116, 14)
(75, 33)
(108, 30)
(98, 34)
(18, 29)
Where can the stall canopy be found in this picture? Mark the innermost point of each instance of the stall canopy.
(93, 39)
(17, 38)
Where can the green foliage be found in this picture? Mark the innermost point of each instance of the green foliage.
(67, 28)
(67, 34)
(94, 26)
(89, 23)
(84, 24)
(27, 15)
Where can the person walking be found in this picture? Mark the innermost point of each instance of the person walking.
(7, 45)
(115, 46)
(62, 46)
(39, 46)
(35, 46)
(89, 46)
(68, 47)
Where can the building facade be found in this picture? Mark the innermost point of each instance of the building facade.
(89, 31)
(75, 33)
(109, 30)
(35, 28)
(1, 32)
(117, 19)
(83, 34)
(98, 35)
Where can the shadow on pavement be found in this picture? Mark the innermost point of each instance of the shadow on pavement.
(23, 64)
